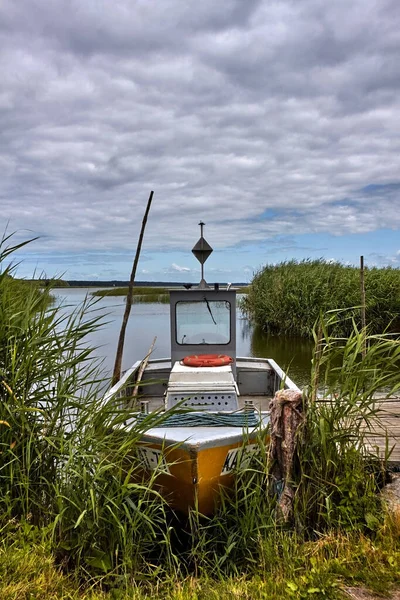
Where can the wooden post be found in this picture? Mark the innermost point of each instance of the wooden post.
(120, 348)
(363, 319)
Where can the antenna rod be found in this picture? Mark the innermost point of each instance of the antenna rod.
(201, 238)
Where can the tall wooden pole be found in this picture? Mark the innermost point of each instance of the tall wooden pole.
(363, 319)
(121, 341)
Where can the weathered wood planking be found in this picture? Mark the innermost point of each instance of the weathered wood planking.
(385, 434)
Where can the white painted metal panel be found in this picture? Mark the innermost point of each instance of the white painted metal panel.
(204, 437)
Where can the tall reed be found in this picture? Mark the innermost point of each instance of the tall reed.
(288, 298)
(337, 475)
(67, 460)
(339, 465)
(44, 369)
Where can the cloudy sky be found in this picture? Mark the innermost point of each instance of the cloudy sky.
(277, 123)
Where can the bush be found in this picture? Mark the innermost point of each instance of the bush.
(288, 298)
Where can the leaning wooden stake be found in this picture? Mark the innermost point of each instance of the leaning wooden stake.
(120, 348)
(363, 319)
(317, 363)
(142, 368)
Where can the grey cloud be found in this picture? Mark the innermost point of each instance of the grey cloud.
(224, 109)
(88, 29)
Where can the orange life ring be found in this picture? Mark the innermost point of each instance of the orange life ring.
(207, 360)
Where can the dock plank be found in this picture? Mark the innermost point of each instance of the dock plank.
(385, 432)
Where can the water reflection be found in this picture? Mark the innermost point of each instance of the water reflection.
(293, 354)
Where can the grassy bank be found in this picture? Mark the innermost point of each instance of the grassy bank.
(141, 294)
(288, 298)
(78, 520)
(288, 568)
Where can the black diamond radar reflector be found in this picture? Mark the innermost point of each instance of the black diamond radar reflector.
(202, 251)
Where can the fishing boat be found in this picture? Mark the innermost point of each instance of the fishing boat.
(215, 404)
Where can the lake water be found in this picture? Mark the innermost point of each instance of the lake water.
(149, 320)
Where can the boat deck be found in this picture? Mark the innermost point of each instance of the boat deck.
(207, 437)
(253, 376)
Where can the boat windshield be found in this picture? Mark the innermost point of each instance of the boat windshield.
(203, 322)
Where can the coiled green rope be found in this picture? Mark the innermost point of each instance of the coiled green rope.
(238, 419)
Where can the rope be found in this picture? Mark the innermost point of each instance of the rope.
(239, 419)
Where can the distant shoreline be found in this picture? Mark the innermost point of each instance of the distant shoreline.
(146, 293)
(73, 283)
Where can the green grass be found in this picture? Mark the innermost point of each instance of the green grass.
(287, 568)
(77, 519)
(288, 298)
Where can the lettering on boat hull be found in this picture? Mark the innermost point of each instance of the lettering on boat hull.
(152, 459)
(239, 457)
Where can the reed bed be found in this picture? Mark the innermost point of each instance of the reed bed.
(74, 498)
(289, 298)
(141, 294)
(66, 461)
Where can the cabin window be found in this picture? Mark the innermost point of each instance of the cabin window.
(203, 322)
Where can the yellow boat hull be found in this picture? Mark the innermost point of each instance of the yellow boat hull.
(191, 473)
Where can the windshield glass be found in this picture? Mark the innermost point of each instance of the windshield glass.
(203, 322)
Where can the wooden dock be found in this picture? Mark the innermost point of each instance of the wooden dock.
(385, 436)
